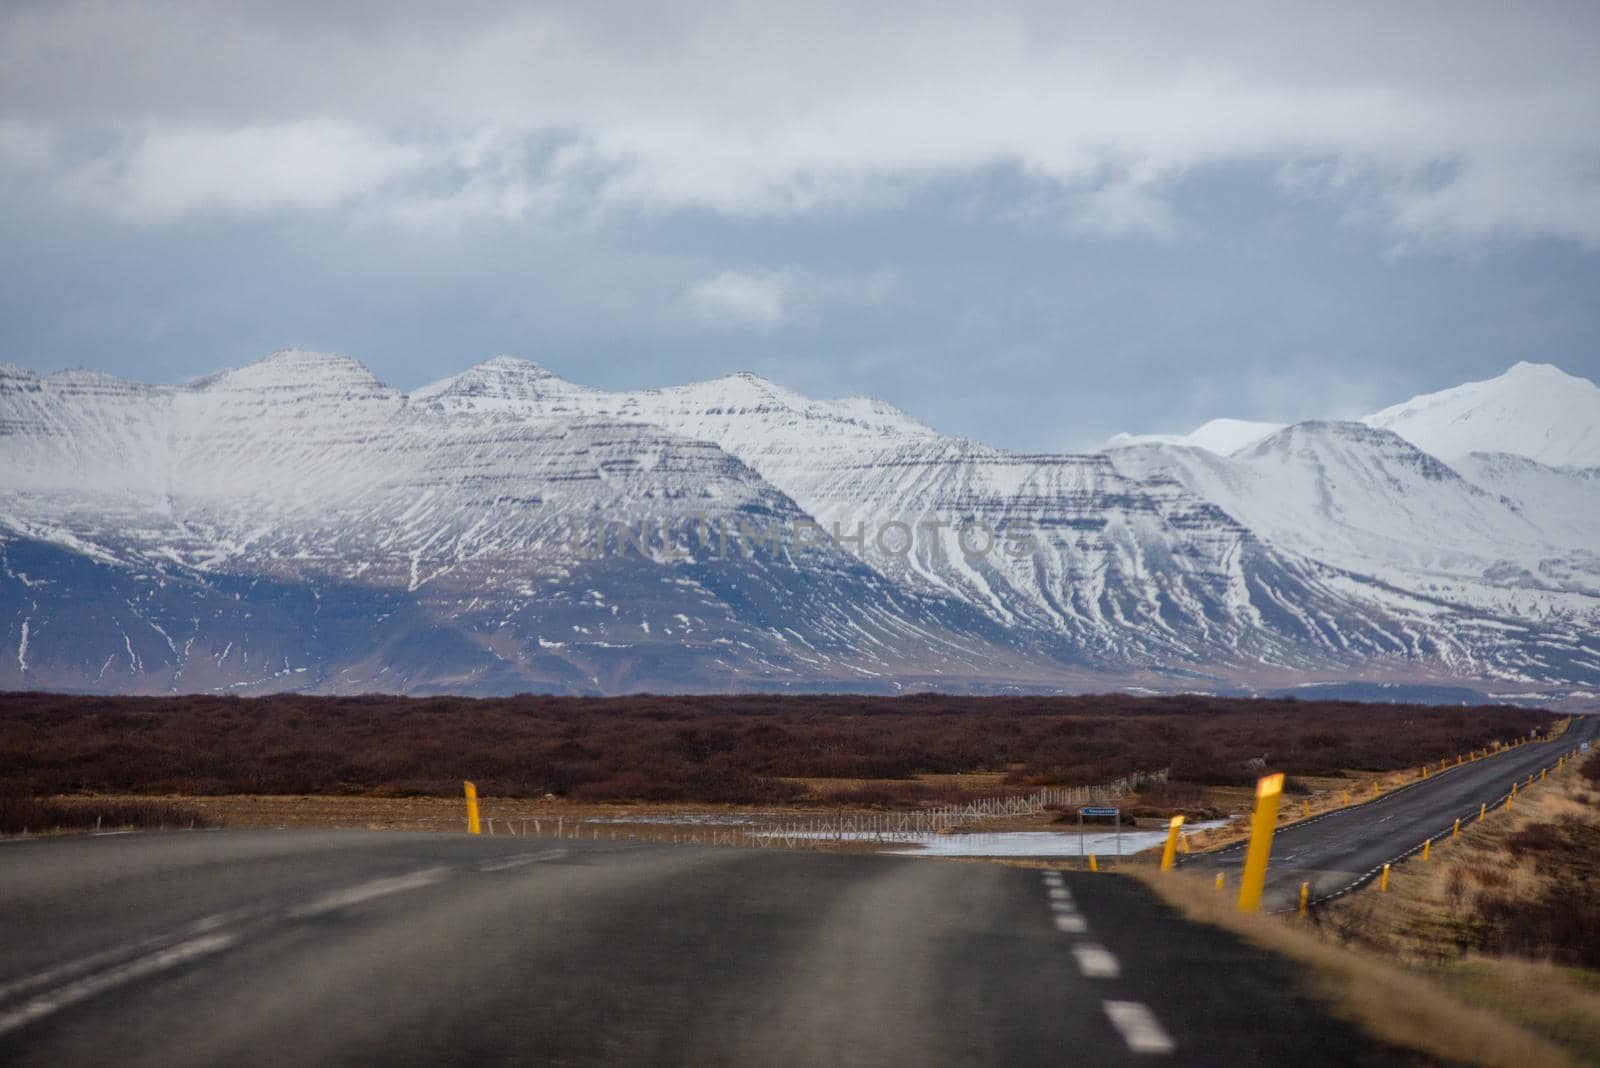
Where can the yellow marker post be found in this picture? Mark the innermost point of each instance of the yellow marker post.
(1455, 832)
(1269, 792)
(1305, 895)
(1169, 855)
(1383, 884)
(1483, 810)
(1376, 789)
(1305, 809)
(1094, 865)
(473, 827)
(1541, 775)
(1425, 847)
(1219, 882)
(1346, 795)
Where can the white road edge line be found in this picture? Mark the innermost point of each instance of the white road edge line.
(1139, 1027)
(1071, 923)
(83, 989)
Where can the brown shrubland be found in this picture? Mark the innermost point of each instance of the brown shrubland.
(735, 749)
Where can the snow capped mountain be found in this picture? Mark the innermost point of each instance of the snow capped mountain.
(1221, 436)
(295, 523)
(1533, 410)
(1348, 493)
(1563, 504)
(1115, 572)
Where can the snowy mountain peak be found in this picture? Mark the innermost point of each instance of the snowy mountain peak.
(1221, 436)
(1528, 371)
(745, 388)
(499, 382)
(296, 370)
(1355, 444)
(1535, 410)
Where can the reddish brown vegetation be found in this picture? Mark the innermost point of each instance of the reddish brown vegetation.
(1562, 922)
(722, 748)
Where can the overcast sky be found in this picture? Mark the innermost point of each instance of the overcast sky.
(1031, 224)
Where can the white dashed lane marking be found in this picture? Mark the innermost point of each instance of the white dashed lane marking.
(377, 888)
(1096, 962)
(1133, 1020)
(520, 860)
(1139, 1027)
(88, 987)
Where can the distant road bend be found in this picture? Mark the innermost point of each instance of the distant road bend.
(329, 947)
(1343, 850)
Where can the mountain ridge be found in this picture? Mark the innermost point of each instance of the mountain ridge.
(447, 516)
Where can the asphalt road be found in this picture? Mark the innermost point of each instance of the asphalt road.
(1345, 849)
(328, 947)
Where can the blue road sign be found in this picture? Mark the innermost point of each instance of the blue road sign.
(1099, 811)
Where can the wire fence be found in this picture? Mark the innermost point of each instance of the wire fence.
(820, 832)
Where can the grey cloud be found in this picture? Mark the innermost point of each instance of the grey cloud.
(762, 109)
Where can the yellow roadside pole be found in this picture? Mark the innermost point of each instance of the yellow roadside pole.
(1383, 884)
(473, 826)
(1483, 810)
(1425, 847)
(1219, 882)
(1269, 792)
(1541, 775)
(1455, 832)
(1305, 894)
(1094, 865)
(1169, 855)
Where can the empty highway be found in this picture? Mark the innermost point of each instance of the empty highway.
(327, 947)
(1342, 850)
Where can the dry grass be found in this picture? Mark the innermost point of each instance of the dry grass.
(29, 815)
(1401, 1005)
(669, 823)
(1560, 1003)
